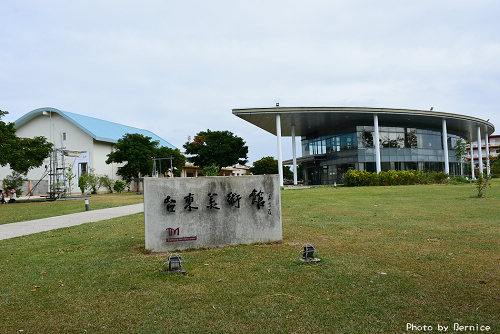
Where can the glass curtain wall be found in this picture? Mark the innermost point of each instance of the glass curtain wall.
(329, 144)
(401, 148)
(406, 149)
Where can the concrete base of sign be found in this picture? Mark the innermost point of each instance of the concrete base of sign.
(183, 213)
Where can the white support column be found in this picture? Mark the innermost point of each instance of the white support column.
(473, 177)
(479, 151)
(487, 146)
(280, 154)
(294, 166)
(445, 148)
(377, 144)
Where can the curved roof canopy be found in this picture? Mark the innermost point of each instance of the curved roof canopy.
(96, 128)
(319, 121)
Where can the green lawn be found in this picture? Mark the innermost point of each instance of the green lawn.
(390, 256)
(21, 210)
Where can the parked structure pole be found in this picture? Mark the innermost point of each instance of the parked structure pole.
(487, 147)
(377, 144)
(294, 156)
(445, 148)
(280, 155)
(479, 151)
(473, 177)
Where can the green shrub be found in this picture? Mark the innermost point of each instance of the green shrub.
(13, 181)
(439, 177)
(212, 170)
(83, 182)
(119, 186)
(107, 182)
(459, 180)
(481, 184)
(355, 178)
(94, 182)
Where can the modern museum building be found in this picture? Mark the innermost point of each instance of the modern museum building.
(337, 139)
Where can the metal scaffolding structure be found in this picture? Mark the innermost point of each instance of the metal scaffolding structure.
(57, 177)
(157, 166)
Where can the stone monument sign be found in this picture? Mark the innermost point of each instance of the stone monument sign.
(182, 213)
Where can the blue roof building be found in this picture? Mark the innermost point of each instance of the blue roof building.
(86, 143)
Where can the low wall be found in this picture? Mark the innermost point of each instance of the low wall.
(40, 189)
(182, 213)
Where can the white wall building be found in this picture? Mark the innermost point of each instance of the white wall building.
(490, 150)
(92, 139)
(493, 147)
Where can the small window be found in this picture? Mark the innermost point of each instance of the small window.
(82, 168)
(64, 135)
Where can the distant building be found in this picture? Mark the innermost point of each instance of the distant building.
(189, 170)
(84, 142)
(493, 146)
(493, 150)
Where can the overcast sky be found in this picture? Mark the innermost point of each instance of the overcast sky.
(180, 67)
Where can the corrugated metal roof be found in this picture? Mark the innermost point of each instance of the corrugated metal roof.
(98, 129)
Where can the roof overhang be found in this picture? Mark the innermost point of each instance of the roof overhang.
(307, 159)
(318, 121)
(47, 111)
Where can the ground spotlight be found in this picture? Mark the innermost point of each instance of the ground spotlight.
(174, 264)
(308, 252)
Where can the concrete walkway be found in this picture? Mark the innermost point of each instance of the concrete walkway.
(13, 230)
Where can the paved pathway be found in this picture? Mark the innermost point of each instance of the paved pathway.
(13, 230)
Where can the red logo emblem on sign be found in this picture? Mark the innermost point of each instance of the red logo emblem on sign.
(175, 231)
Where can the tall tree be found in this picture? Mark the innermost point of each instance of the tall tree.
(137, 151)
(269, 165)
(178, 161)
(461, 152)
(495, 166)
(220, 148)
(22, 154)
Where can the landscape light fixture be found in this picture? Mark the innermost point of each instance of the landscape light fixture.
(174, 264)
(308, 254)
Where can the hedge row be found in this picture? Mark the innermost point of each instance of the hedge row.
(392, 178)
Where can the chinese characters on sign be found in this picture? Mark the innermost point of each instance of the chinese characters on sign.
(211, 202)
(257, 198)
(189, 200)
(232, 199)
(269, 204)
(170, 204)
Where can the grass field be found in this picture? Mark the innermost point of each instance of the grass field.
(390, 256)
(20, 211)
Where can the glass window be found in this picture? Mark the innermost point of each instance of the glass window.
(393, 136)
(435, 142)
(411, 138)
(82, 168)
(384, 139)
(366, 139)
